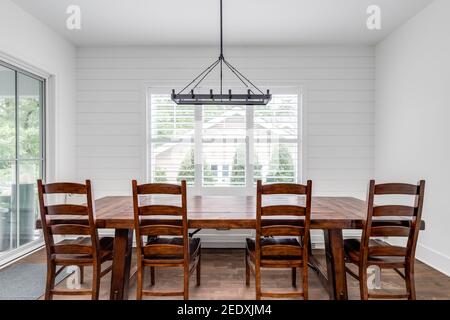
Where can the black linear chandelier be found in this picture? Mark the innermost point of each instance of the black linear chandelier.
(254, 95)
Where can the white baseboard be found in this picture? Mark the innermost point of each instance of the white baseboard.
(433, 258)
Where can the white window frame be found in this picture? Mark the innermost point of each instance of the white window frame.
(249, 189)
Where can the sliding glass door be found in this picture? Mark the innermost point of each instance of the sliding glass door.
(21, 156)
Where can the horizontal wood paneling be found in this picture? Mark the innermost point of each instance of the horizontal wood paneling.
(109, 118)
(349, 152)
(109, 163)
(232, 52)
(339, 99)
(340, 129)
(341, 118)
(109, 107)
(109, 151)
(340, 107)
(106, 129)
(320, 85)
(292, 74)
(115, 140)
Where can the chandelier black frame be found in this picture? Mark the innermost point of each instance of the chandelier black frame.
(254, 95)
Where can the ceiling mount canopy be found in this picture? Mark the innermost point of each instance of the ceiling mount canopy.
(254, 95)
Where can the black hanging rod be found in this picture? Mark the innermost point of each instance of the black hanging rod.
(254, 95)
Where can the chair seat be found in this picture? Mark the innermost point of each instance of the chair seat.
(352, 254)
(106, 249)
(272, 241)
(194, 246)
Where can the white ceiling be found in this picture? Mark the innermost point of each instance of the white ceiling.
(246, 22)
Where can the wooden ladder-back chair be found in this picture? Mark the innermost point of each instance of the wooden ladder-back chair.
(266, 251)
(178, 250)
(397, 221)
(86, 250)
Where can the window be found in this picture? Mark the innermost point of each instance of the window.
(21, 155)
(223, 146)
(276, 140)
(172, 130)
(225, 170)
(223, 143)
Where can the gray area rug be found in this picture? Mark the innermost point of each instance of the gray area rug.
(25, 281)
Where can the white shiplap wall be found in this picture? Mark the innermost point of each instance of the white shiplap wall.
(338, 92)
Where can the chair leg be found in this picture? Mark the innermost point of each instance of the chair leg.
(364, 290)
(81, 274)
(199, 268)
(410, 283)
(294, 277)
(139, 280)
(96, 271)
(247, 270)
(305, 282)
(309, 245)
(152, 276)
(50, 284)
(258, 281)
(186, 282)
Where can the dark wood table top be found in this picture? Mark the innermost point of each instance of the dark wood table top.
(230, 212)
(233, 212)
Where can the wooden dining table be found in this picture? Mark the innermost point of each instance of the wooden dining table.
(330, 214)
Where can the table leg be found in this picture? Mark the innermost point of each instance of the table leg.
(334, 252)
(120, 277)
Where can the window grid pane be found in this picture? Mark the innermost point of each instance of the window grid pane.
(172, 141)
(224, 139)
(223, 142)
(276, 140)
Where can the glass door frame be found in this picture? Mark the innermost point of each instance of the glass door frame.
(21, 250)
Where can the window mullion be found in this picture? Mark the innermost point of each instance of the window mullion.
(249, 145)
(198, 144)
(17, 213)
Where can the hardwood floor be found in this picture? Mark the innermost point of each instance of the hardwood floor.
(223, 277)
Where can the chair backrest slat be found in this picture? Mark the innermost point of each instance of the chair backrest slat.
(160, 210)
(168, 227)
(72, 249)
(70, 229)
(84, 225)
(396, 189)
(295, 220)
(65, 188)
(393, 220)
(281, 250)
(394, 210)
(159, 188)
(67, 209)
(284, 188)
(157, 230)
(163, 250)
(283, 210)
(389, 231)
(387, 251)
(280, 230)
